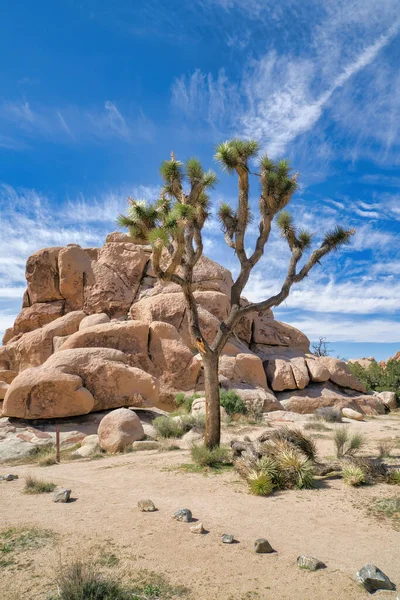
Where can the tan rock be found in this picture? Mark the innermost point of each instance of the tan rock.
(46, 393)
(175, 365)
(3, 389)
(96, 319)
(8, 335)
(75, 271)
(349, 413)
(120, 237)
(130, 337)
(209, 275)
(7, 376)
(116, 278)
(108, 377)
(300, 372)
(317, 395)
(194, 437)
(199, 408)
(389, 399)
(274, 333)
(340, 374)
(249, 369)
(119, 429)
(42, 276)
(257, 399)
(38, 315)
(318, 371)
(35, 347)
(280, 375)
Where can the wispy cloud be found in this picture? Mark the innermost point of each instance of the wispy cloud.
(23, 122)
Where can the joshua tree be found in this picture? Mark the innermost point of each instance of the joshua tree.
(173, 226)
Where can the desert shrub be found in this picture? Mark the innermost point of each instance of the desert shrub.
(328, 414)
(232, 403)
(260, 484)
(33, 485)
(347, 444)
(393, 477)
(168, 428)
(190, 421)
(378, 377)
(384, 449)
(316, 426)
(185, 402)
(353, 474)
(206, 457)
(82, 581)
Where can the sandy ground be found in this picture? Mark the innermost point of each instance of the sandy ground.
(332, 523)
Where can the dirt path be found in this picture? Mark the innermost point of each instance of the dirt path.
(331, 523)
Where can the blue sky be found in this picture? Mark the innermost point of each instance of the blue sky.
(95, 94)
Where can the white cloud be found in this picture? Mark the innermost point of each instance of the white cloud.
(336, 328)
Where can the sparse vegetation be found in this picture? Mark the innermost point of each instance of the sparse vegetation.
(204, 457)
(170, 427)
(33, 485)
(83, 580)
(387, 507)
(384, 449)
(328, 414)
(19, 539)
(347, 444)
(316, 426)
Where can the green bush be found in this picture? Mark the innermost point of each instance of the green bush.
(232, 403)
(185, 402)
(168, 428)
(204, 457)
(353, 475)
(379, 378)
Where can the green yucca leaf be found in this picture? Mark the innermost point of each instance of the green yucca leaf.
(226, 156)
(337, 237)
(182, 211)
(305, 239)
(285, 223)
(124, 221)
(225, 212)
(194, 170)
(210, 179)
(171, 170)
(159, 236)
(266, 164)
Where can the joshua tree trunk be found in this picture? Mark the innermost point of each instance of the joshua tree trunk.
(213, 415)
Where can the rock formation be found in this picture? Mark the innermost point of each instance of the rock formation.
(98, 331)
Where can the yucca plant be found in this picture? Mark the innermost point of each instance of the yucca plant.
(353, 474)
(173, 225)
(346, 444)
(393, 477)
(260, 483)
(296, 470)
(296, 438)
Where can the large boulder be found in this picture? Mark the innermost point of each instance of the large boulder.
(91, 320)
(38, 315)
(106, 374)
(114, 279)
(119, 429)
(274, 333)
(46, 393)
(389, 399)
(130, 337)
(35, 347)
(174, 363)
(75, 272)
(339, 373)
(280, 375)
(3, 389)
(317, 395)
(318, 371)
(42, 276)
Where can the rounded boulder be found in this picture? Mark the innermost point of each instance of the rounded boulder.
(119, 429)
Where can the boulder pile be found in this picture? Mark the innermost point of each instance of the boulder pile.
(98, 331)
